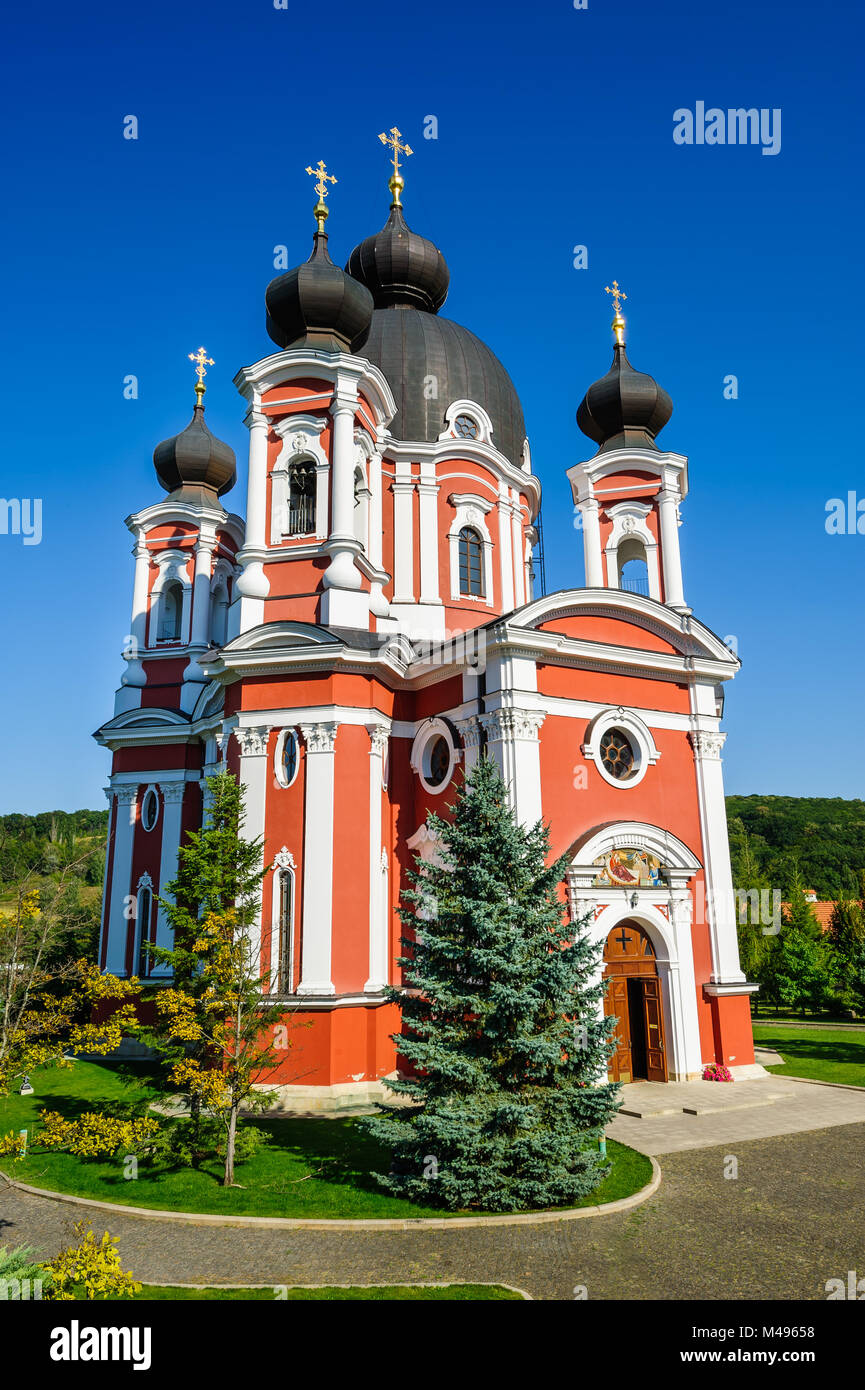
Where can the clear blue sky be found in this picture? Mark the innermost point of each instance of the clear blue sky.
(554, 129)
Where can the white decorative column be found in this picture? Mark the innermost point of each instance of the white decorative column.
(344, 602)
(403, 533)
(252, 775)
(471, 734)
(513, 739)
(134, 673)
(589, 511)
(377, 601)
(506, 550)
(518, 547)
(378, 918)
(199, 638)
(316, 935)
(119, 909)
(172, 815)
(671, 558)
(253, 585)
(427, 489)
(684, 1045)
(720, 898)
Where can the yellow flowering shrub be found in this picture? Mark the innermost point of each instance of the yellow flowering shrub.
(13, 1145)
(93, 1135)
(93, 1265)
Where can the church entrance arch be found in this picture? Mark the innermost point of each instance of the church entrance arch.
(633, 997)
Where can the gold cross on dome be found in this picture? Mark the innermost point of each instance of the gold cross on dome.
(322, 179)
(393, 141)
(202, 362)
(617, 295)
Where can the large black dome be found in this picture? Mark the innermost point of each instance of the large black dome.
(399, 266)
(413, 347)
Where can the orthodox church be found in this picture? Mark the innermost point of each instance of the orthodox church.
(350, 648)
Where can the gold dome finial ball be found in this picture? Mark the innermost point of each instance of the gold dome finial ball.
(396, 184)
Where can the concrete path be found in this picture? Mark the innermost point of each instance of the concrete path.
(790, 1219)
(663, 1119)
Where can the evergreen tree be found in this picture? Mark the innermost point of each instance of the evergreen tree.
(846, 933)
(501, 1022)
(800, 957)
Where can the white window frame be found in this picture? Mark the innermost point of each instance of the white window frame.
(173, 566)
(638, 734)
(424, 741)
(151, 789)
(300, 444)
(278, 770)
(470, 510)
(477, 413)
(282, 864)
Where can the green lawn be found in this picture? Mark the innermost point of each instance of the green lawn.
(313, 1168)
(818, 1054)
(459, 1293)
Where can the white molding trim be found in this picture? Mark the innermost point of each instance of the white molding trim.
(427, 735)
(477, 414)
(470, 511)
(300, 441)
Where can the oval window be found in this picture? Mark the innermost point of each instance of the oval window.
(439, 761)
(289, 759)
(149, 809)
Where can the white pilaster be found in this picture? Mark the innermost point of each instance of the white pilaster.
(671, 558)
(342, 543)
(316, 937)
(172, 814)
(427, 489)
(589, 510)
(471, 734)
(720, 898)
(519, 566)
(253, 778)
(378, 914)
(117, 924)
(134, 673)
(253, 585)
(506, 550)
(403, 533)
(512, 738)
(377, 601)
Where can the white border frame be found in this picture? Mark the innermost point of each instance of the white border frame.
(427, 735)
(279, 747)
(638, 734)
(154, 788)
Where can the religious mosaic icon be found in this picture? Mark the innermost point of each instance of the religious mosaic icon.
(629, 868)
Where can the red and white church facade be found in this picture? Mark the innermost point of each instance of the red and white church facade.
(350, 649)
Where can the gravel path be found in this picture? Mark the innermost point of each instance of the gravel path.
(790, 1220)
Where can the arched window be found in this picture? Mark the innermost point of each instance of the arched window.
(285, 961)
(170, 612)
(301, 498)
(633, 569)
(471, 550)
(219, 616)
(141, 964)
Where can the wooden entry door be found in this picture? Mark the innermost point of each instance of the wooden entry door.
(634, 998)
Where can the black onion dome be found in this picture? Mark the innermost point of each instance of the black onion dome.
(412, 348)
(195, 458)
(401, 267)
(625, 408)
(317, 305)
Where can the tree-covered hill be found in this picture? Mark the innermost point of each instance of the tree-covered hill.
(49, 841)
(820, 839)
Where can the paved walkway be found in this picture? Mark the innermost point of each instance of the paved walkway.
(727, 1114)
(791, 1219)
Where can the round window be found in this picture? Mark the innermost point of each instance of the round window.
(149, 809)
(617, 755)
(288, 758)
(465, 427)
(439, 761)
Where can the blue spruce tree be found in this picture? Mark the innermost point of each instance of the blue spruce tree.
(501, 1027)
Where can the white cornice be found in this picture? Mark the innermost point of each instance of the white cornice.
(338, 368)
(668, 467)
(187, 513)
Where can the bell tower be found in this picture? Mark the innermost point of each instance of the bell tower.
(628, 494)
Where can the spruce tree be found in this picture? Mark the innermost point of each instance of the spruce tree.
(502, 1022)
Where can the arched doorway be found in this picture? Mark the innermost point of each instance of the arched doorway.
(634, 997)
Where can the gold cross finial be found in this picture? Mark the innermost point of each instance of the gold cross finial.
(322, 179)
(396, 182)
(202, 362)
(618, 321)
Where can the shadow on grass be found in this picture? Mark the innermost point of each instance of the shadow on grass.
(820, 1049)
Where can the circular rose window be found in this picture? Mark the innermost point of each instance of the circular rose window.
(617, 755)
